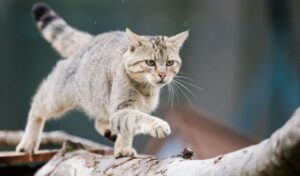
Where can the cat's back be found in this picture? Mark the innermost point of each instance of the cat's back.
(113, 38)
(104, 49)
(111, 43)
(95, 64)
(101, 55)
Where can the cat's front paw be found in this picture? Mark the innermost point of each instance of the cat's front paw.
(28, 146)
(160, 129)
(124, 152)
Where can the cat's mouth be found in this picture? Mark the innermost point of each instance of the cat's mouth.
(161, 83)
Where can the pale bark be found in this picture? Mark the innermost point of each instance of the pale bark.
(12, 138)
(55, 138)
(278, 155)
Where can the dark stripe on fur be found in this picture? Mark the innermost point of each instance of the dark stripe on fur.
(42, 13)
(57, 31)
(119, 124)
(39, 10)
(126, 104)
(47, 20)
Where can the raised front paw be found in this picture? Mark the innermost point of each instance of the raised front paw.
(160, 129)
(124, 152)
(28, 146)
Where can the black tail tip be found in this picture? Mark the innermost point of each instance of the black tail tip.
(39, 10)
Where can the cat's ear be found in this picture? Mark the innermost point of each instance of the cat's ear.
(178, 40)
(134, 39)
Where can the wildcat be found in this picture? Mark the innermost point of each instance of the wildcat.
(114, 77)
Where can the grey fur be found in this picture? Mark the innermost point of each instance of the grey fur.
(106, 77)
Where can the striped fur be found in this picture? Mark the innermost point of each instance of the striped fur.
(64, 39)
(108, 76)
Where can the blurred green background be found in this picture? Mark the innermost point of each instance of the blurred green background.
(244, 55)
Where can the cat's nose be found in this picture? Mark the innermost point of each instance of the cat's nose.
(162, 75)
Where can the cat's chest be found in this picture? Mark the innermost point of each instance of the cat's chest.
(149, 103)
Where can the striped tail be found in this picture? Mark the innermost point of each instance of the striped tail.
(65, 39)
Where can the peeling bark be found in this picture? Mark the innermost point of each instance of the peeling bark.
(278, 155)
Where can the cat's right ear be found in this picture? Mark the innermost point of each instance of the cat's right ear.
(134, 39)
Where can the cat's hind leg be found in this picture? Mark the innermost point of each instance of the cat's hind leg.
(102, 127)
(32, 136)
(47, 103)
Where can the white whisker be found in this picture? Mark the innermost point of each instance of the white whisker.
(172, 96)
(175, 84)
(184, 77)
(169, 98)
(191, 84)
(181, 72)
(186, 88)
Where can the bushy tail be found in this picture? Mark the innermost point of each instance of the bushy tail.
(65, 39)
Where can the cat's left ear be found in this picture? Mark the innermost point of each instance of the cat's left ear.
(134, 39)
(178, 40)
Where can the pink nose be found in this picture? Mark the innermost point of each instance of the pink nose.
(162, 75)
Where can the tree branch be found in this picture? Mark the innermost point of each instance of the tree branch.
(12, 138)
(55, 138)
(278, 155)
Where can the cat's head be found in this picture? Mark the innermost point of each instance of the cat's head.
(153, 59)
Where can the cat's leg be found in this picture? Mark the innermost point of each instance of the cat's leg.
(123, 145)
(32, 136)
(136, 122)
(102, 127)
(36, 120)
(129, 121)
(46, 104)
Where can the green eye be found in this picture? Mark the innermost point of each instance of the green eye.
(150, 62)
(170, 63)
